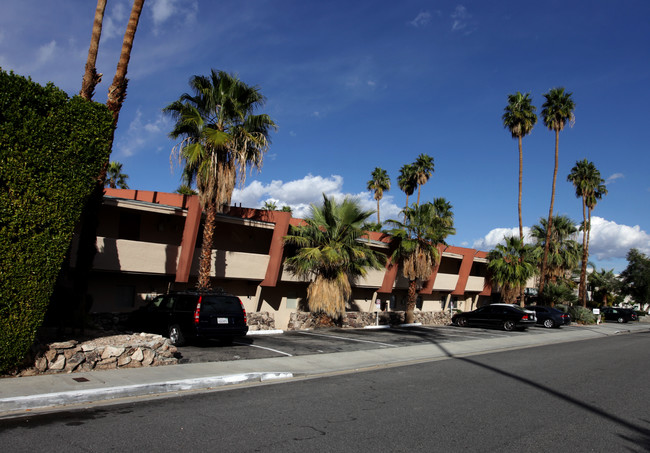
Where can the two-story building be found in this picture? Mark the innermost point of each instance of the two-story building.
(149, 243)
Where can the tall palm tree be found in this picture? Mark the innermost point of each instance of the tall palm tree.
(379, 183)
(117, 90)
(91, 78)
(416, 244)
(114, 176)
(510, 265)
(407, 181)
(564, 252)
(519, 118)
(589, 187)
(221, 139)
(557, 111)
(330, 253)
(423, 169)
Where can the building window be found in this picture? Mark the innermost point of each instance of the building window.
(129, 226)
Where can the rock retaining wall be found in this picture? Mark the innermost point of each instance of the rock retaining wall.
(260, 321)
(354, 319)
(105, 353)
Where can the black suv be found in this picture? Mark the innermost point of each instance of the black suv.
(188, 315)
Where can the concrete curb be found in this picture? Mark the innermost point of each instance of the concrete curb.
(30, 402)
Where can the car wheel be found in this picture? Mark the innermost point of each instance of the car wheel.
(548, 323)
(509, 325)
(176, 336)
(461, 322)
(621, 319)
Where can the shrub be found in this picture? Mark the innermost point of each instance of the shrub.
(581, 314)
(51, 152)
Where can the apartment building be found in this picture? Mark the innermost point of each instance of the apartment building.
(149, 243)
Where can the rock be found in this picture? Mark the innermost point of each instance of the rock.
(64, 344)
(137, 355)
(58, 364)
(112, 351)
(74, 361)
(123, 360)
(50, 355)
(71, 352)
(41, 364)
(148, 357)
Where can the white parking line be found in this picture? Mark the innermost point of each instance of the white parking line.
(348, 339)
(262, 347)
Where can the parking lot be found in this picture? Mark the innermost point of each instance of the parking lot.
(323, 341)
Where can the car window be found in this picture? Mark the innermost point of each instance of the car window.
(220, 304)
(186, 303)
(157, 301)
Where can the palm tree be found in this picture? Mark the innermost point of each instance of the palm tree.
(331, 254)
(221, 139)
(270, 206)
(407, 181)
(590, 187)
(186, 189)
(416, 242)
(519, 118)
(563, 251)
(423, 169)
(91, 78)
(556, 111)
(117, 90)
(606, 285)
(510, 266)
(114, 176)
(379, 183)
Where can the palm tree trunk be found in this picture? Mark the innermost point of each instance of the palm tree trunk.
(205, 260)
(409, 315)
(549, 224)
(117, 90)
(522, 289)
(521, 175)
(585, 256)
(418, 202)
(582, 293)
(378, 221)
(91, 77)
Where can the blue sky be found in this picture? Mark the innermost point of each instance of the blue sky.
(358, 84)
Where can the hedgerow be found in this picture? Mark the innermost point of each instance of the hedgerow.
(51, 151)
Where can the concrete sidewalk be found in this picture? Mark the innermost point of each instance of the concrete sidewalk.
(51, 392)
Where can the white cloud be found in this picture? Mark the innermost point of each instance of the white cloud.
(608, 240)
(614, 177)
(46, 52)
(460, 17)
(114, 23)
(421, 19)
(611, 240)
(497, 235)
(183, 12)
(301, 193)
(140, 133)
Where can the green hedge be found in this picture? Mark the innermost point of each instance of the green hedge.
(51, 152)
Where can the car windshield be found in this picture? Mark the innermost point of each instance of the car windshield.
(220, 304)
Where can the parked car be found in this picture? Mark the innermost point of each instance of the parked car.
(550, 317)
(188, 315)
(618, 314)
(506, 316)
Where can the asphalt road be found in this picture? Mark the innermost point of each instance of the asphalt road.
(323, 341)
(583, 396)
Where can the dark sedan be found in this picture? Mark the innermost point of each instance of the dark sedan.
(550, 317)
(505, 316)
(618, 314)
